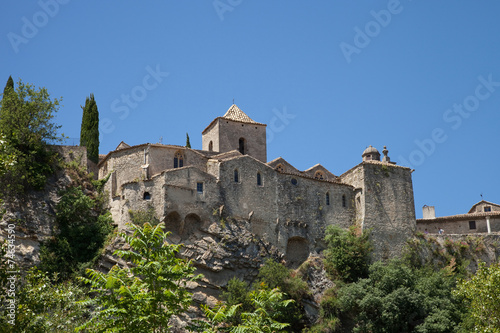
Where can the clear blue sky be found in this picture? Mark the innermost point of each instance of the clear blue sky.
(418, 76)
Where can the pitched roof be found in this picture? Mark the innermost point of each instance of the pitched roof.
(473, 208)
(235, 113)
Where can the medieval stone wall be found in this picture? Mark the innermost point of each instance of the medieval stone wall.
(225, 135)
(459, 225)
(389, 207)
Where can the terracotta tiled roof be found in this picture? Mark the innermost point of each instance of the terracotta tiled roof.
(471, 216)
(235, 113)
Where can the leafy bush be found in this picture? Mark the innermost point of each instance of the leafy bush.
(394, 298)
(347, 253)
(145, 296)
(44, 306)
(481, 294)
(83, 227)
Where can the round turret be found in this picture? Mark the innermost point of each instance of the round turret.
(371, 154)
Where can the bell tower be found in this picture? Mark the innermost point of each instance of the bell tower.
(236, 131)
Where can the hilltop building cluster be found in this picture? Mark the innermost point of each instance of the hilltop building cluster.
(231, 177)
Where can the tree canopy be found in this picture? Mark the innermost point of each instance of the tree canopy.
(482, 295)
(26, 125)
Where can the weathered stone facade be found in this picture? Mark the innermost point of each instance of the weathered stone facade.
(230, 179)
(483, 217)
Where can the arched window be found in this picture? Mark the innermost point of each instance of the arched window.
(319, 175)
(327, 198)
(178, 160)
(210, 146)
(280, 168)
(242, 145)
(236, 176)
(344, 203)
(146, 196)
(259, 179)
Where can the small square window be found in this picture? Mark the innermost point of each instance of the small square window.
(487, 209)
(199, 187)
(472, 225)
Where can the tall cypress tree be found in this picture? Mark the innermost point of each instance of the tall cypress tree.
(188, 144)
(89, 133)
(9, 85)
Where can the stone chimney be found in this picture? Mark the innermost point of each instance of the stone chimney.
(428, 212)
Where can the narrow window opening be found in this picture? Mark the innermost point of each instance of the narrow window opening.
(472, 225)
(236, 176)
(327, 198)
(259, 179)
(146, 196)
(241, 144)
(178, 160)
(199, 187)
(211, 146)
(344, 203)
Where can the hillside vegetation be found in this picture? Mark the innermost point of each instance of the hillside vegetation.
(55, 211)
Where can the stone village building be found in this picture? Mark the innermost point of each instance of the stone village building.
(483, 217)
(231, 177)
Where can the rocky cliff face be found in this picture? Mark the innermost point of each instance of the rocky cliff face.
(33, 216)
(221, 251)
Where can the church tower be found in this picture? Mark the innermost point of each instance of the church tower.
(236, 131)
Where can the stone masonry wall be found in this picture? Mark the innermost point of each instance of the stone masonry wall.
(389, 207)
(459, 226)
(229, 132)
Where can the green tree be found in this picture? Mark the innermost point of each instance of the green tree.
(347, 253)
(44, 306)
(26, 125)
(188, 143)
(9, 86)
(143, 297)
(482, 296)
(268, 305)
(394, 298)
(89, 133)
(83, 229)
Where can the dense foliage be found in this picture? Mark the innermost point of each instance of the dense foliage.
(45, 306)
(188, 143)
(89, 133)
(395, 298)
(271, 275)
(143, 297)
(25, 128)
(267, 309)
(482, 296)
(8, 85)
(83, 228)
(348, 253)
